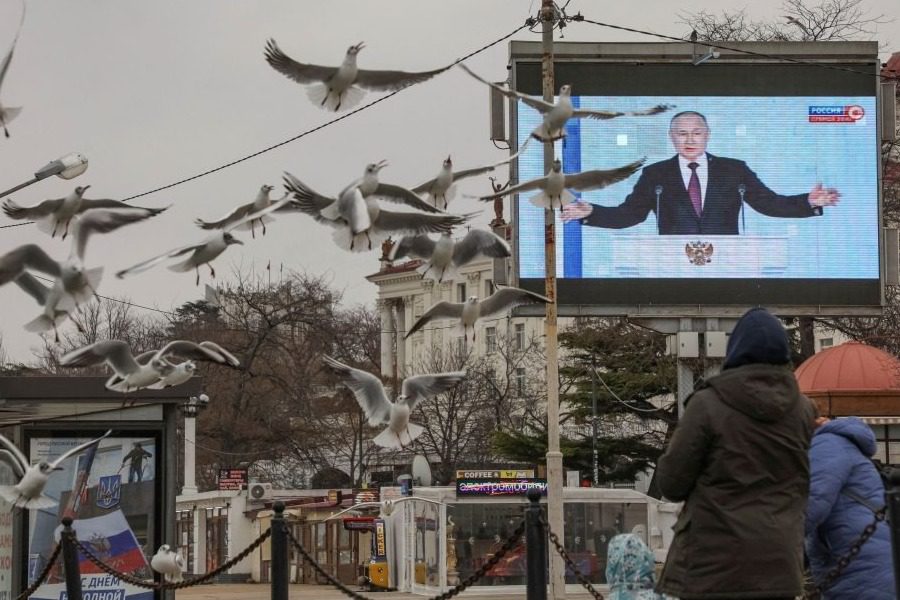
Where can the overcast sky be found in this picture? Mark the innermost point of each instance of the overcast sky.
(152, 92)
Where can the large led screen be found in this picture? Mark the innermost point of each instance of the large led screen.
(742, 199)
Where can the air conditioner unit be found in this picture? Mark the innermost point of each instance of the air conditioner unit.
(260, 491)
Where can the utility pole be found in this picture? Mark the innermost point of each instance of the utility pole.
(554, 456)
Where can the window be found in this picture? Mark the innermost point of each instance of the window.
(520, 381)
(460, 292)
(520, 336)
(826, 343)
(490, 340)
(488, 287)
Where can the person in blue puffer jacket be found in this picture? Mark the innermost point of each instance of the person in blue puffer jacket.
(842, 482)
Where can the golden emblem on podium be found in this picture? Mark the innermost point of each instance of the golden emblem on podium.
(699, 253)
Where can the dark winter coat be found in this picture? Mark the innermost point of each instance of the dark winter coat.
(738, 459)
(839, 460)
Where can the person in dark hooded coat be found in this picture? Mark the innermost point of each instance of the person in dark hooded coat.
(738, 459)
(842, 483)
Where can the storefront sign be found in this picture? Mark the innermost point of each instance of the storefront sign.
(233, 479)
(495, 474)
(499, 487)
(359, 523)
(380, 547)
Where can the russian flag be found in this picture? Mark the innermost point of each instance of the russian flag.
(110, 538)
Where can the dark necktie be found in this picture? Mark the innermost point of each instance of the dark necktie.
(694, 189)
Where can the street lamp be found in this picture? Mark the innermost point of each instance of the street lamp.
(67, 167)
(191, 409)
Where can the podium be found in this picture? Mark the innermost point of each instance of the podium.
(698, 256)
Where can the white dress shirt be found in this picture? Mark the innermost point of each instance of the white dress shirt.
(702, 175)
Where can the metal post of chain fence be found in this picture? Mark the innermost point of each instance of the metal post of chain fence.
(893, 503)
(535, 549)
(279, 561)
(70, 560)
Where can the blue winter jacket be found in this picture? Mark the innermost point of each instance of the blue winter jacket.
(839, 460)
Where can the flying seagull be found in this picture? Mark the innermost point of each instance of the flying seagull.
(553, 187)
(357, 229)
(180, 372)
(261, 201)
(168, 563)
(442, 189)
(8, 113)
(339, 87)
(468, 312)
(372, 398)
(370, 185)
(445, 255)
(55, 216)
(28, 493)
(553, 126)
(132, 375)
(206, 251)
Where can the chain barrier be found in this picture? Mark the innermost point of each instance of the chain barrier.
(843, 561)
(554, 539)
(152, 585)
(42, 575)
(511, 542)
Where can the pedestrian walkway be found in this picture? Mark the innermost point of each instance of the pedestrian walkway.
(257, 591)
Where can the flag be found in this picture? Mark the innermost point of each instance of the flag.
(109, 538)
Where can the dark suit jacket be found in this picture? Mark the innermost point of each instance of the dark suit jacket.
(720, 210)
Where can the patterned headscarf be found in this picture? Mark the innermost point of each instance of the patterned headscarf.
(630, 569)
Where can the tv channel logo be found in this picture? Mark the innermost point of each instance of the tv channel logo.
(850, 113)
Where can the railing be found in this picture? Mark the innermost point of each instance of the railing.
(533, 526)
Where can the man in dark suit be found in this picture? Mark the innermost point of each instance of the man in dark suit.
(695, 192)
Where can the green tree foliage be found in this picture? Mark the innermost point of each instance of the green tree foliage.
(626, 370)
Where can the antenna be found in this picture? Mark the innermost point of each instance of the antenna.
(421, 470)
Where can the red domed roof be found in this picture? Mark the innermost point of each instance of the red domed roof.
(850, 366)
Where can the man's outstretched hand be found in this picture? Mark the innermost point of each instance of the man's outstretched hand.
(821, 196)
(579, 210)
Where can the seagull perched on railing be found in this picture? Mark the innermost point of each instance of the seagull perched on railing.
(444, 256)
(372, 398)
(168, 563)
(553, 186)
(467, 313)
(556, 115)
(261, 201)
(339, 87)
(29, 492)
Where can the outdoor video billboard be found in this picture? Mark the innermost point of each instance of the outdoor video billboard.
(784, 208)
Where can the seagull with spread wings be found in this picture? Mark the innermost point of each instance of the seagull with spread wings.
(180, 372)
(467, 313)
(556, 115)
(29, 492)
(261, 202)
(8, 113)
(204, 252)
(444, 256)
(357, 229)
(553, 187)
(130, 373)
(373, 399)
(337, 88)
(55, 216)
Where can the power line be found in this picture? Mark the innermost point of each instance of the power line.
(720, 46)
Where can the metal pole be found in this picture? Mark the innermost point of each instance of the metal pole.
(70, 561)
(535, 549)
(893, 501)
(279, 553)
(554, 456)
(19, 187)
(596, 463)
(190, 450)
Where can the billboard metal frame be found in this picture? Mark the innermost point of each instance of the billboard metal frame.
(859, 55)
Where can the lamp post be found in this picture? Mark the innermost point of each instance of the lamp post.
(67, 167)
(191, 409)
